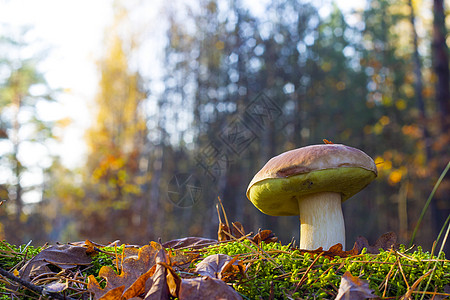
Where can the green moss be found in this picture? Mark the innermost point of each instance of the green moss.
(12, 256)
(284, 274)
(276, 269)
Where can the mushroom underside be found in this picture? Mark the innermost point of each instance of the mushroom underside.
(279, 196)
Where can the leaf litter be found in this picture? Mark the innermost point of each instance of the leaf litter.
(182, 269)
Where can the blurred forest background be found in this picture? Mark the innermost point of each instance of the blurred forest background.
(235, 89)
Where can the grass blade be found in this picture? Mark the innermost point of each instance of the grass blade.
(424, 210)
(437, 261)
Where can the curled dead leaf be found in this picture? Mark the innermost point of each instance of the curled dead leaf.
(220, 266)
(159, 289)
(385, 242)
(354, 288)
(223, 233)
(206, 288)
(173, 281)
(56, 287)
(266, 236)
(335, 250)
(180, 258)
(232, 269)
(113, 294)
(213, 265)
(237, 229)
(62, 256)
(138, 267)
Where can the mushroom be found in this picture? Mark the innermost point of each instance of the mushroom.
(311, 182)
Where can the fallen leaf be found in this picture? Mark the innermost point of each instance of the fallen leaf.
(266, 236)
(354, 288)
(206, 288)
(446, 291)
(139, 286)
(231, 269)
(55, 287)
(385, 242)
(62, 256)
(213, 265)
(173, 281)
(159, 289)
(136, 271)
(237, 230)
(180, 258)
(91, 248)
(335, 250)
(223, 234)
(113, 294)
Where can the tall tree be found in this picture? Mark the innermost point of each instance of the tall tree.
(440, 53)
(240, 88)
(441, 64)
(113, 201)
(22, 127)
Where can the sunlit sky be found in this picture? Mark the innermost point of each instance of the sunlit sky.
(73, 33)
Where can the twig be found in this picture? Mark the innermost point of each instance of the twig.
(386, 280)
(401, 271)
(431, 293)
(117, 259)
(415, 284)
(38, 289)
(7, 291)
(306, 272)
(8, 246)
(268, 257)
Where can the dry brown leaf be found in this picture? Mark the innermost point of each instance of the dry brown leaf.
(213, 265)
(266, 236)
(385, 242)
(446, 291)
(55, 287)
(139, 286)
(231, 270)
(223, 234)
(335, 250)
(173, 280)
(206, 288)
(354, 288)
(136, 271)
(91, 248)
(113, 294)
(182, 258)
(159, 289)
(62, 256)
(237, 230)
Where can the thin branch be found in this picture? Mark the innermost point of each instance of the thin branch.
(38, 289)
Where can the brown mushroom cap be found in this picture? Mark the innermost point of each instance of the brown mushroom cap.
(275, 189)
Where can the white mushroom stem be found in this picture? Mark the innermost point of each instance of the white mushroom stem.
(322, 222)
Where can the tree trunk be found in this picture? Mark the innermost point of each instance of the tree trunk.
(440, 60)
(418, 82)
(441, 69)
